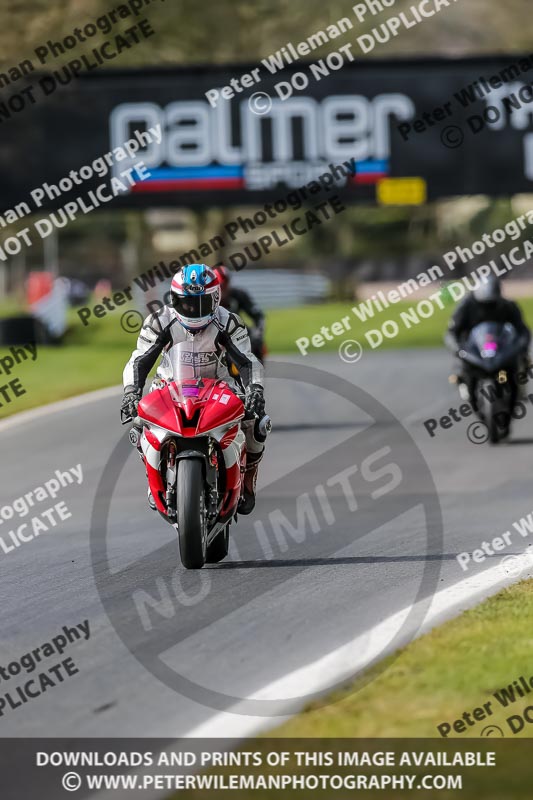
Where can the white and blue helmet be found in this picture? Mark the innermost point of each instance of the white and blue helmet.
(195, 295)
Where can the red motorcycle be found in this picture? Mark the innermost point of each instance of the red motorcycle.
(191, 442)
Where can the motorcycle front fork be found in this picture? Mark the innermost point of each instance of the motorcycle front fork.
(171, 478)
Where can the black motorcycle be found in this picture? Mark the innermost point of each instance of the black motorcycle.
(491, 358)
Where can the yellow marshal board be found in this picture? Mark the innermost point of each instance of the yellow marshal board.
(401, 191)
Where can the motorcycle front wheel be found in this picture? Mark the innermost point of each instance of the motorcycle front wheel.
(190, 514)
(493, 411)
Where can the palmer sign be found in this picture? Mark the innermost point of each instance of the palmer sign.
(231, 148)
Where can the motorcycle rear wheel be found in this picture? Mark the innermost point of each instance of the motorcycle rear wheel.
(191, 515)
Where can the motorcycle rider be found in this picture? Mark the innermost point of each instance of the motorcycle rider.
(484, 304)
(238, 301)
(194, 312)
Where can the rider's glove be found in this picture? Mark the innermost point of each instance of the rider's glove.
(130, 401)
(254, 401)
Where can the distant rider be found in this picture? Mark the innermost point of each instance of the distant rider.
(484, 304)
(195, 313)
(239, 301)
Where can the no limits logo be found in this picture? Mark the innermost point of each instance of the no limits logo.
(162, 606)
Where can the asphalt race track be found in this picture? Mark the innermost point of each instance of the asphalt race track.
(360, 553)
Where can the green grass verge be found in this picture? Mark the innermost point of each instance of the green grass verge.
(94, 356)
(453, 669)
(287, 325)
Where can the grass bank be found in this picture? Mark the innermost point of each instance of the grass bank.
(288, 325)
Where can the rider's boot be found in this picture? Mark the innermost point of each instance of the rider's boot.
(524, 365)
(462, 387)
(247, 501)
(464, 392)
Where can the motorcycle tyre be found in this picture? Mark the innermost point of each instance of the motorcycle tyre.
(191, 514)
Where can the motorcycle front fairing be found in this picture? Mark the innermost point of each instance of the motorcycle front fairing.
(192, 408)
(492, 347)
(195, 412)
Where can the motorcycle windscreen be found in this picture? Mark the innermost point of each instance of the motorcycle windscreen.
(189, 364)
(490, 338)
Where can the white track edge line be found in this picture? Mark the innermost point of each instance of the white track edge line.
(446, 603)
(345, 662)
(55, 408)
